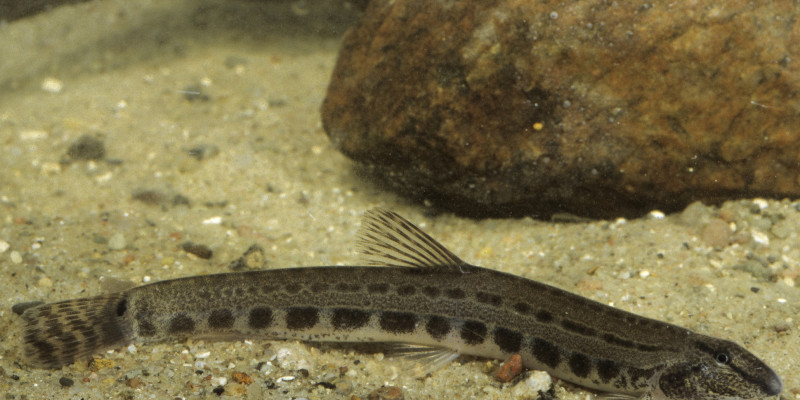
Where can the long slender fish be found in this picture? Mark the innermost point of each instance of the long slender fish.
(416, 292)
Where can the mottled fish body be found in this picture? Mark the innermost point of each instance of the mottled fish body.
(423, 295)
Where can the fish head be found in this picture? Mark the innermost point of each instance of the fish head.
(718, 369)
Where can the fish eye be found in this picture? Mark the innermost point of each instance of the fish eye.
(722, 358)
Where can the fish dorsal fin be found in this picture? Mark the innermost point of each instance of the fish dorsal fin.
(388, 239)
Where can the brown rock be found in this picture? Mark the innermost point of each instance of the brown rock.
(597, 108)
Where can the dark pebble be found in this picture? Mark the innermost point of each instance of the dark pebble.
(219, 390)
(755, 289)
(199, 250)
(66, 382)
(152, 197)
(326, 385)
(15, 377)
(87, 148)
(20, 308)
(181, 200)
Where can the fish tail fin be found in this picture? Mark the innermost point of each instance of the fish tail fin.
(57, 334)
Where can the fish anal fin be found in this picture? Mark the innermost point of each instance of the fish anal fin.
(421, 360)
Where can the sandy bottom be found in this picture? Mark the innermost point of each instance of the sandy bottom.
(208, 112)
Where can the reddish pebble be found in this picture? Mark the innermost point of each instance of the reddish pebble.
(386, 393)
(510, 369)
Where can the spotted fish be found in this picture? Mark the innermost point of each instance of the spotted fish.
(416, 292)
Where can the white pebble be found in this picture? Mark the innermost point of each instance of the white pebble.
(644, 273)
(655, 214)
(759, 237)
(212, 221)
(539, 381)
(761, 203)
(52, 85)
(117, 241)
(4, 246)
(33, 134)
(16, 258)
(553, 15)
(204, 354)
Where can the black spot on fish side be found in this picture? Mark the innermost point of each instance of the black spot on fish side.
(522, 308)
(455, 294)
(319, 287)
(543, 316)
(398, 322)
(508, 340)
(147, 329)
(473, 332)
(580, 365)
(220, 319)
(299, 318)
(378, 288)
(260, 318)
(431, 291)
(348, 287)
(607, 370)
(438, 327)
(349, 318)
(489, 298)
(406, 290)
(546, 352)
(122, 307)
(293, 288)
(180, 323)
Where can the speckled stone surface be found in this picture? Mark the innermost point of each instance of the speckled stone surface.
(595, 108)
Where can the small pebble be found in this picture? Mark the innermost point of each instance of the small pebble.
(134, 383)
(386, 393)
(33, 134)
(148, 196)
(4, 246)
(66, 382)
(117, 241)
(243, 378)
(52, 85)
(87, 148)
(717, 233)
(15, 257)
(539, 381)
(759, 237)
(509, 369)
(45, 282)
(200, 250)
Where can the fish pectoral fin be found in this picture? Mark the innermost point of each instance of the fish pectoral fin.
(421, 360)
(387, 239)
